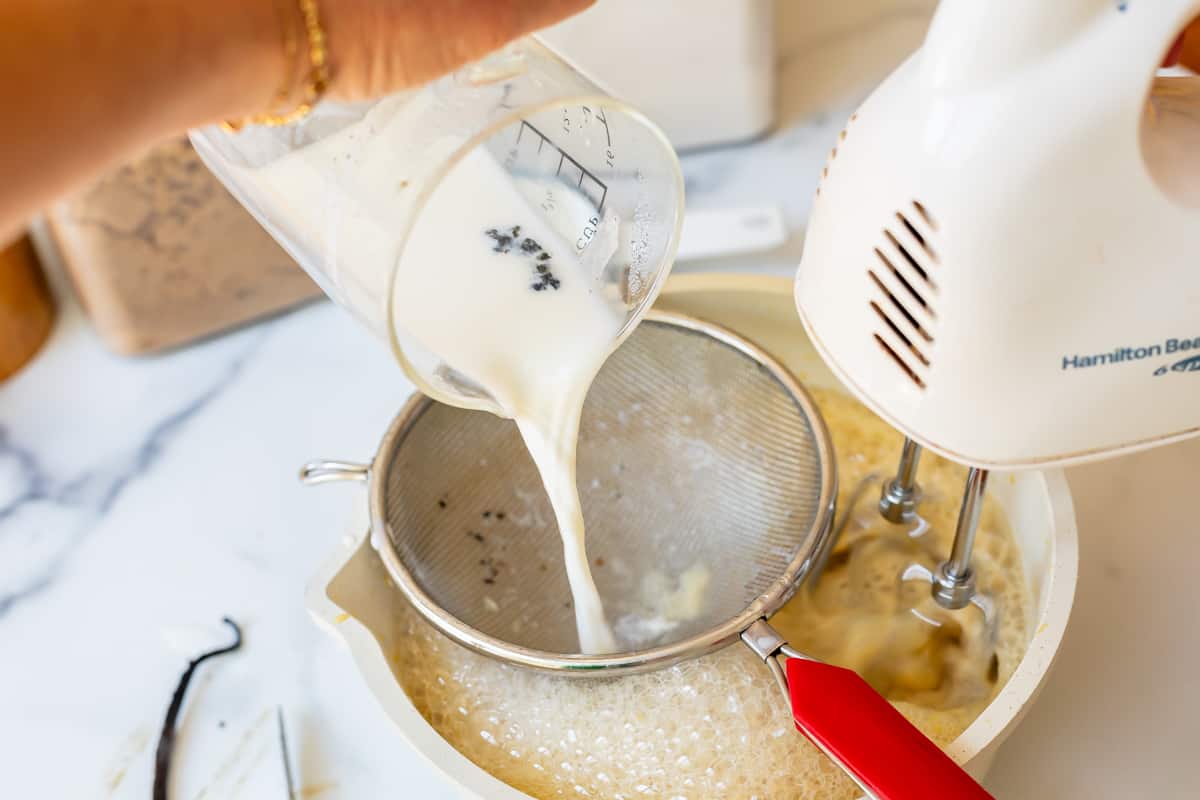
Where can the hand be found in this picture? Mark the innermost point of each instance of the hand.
(87, 85)
(1186, 49)
(373, 47)
(380, 46)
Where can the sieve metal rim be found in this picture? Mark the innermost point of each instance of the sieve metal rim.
(611, 665)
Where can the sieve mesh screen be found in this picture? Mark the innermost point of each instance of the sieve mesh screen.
(701, 481)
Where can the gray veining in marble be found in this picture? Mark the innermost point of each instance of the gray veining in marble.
(75, 503)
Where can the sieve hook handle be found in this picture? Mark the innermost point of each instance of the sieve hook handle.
(858, 729)
(315, 472)
(865, 735)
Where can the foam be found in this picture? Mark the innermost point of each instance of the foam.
(716, 727)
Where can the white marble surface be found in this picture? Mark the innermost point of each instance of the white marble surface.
(142, 500)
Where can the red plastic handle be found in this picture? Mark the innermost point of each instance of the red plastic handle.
(856, 727)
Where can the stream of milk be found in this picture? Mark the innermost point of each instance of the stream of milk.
(513, 305)
(486, 282)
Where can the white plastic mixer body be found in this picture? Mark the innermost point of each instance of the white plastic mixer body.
(990, 265)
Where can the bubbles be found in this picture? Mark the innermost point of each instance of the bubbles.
(892, 633)
(713, 727)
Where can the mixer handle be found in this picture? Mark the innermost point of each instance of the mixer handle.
(973, 42)
(862, 732)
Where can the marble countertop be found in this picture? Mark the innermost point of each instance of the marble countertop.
(143, 500)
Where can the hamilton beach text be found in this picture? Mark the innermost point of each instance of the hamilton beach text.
(1122, 354)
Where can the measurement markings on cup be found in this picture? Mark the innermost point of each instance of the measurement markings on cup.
(594, 188)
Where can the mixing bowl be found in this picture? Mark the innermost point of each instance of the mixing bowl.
(354, 598)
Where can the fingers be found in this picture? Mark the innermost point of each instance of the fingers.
(1172, 56)
(1189, 47)
(382, 46)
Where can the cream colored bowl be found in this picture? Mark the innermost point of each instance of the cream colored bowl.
(353, 598)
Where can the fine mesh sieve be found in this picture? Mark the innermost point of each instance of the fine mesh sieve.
(699, 455)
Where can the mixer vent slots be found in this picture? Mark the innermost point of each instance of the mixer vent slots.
(903, 274)
(833, 153)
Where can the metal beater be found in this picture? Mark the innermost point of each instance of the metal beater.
(953, 582)
(900, 495)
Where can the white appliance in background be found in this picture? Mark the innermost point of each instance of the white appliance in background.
(703, 70)
(832, 53)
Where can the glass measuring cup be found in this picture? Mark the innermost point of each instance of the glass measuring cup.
(520, 142)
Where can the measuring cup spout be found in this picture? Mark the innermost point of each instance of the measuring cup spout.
(856, 727)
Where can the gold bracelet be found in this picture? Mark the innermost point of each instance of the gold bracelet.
(318, 74)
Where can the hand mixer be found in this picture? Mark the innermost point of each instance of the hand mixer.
(977, 267)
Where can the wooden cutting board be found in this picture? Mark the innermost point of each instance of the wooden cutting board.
(26, 306)
(161, 254)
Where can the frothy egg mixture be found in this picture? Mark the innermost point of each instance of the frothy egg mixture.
(716, 726)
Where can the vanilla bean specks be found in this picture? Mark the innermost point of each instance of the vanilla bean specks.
(507, 239)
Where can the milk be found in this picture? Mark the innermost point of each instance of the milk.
(485, 283)
(514, 308)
